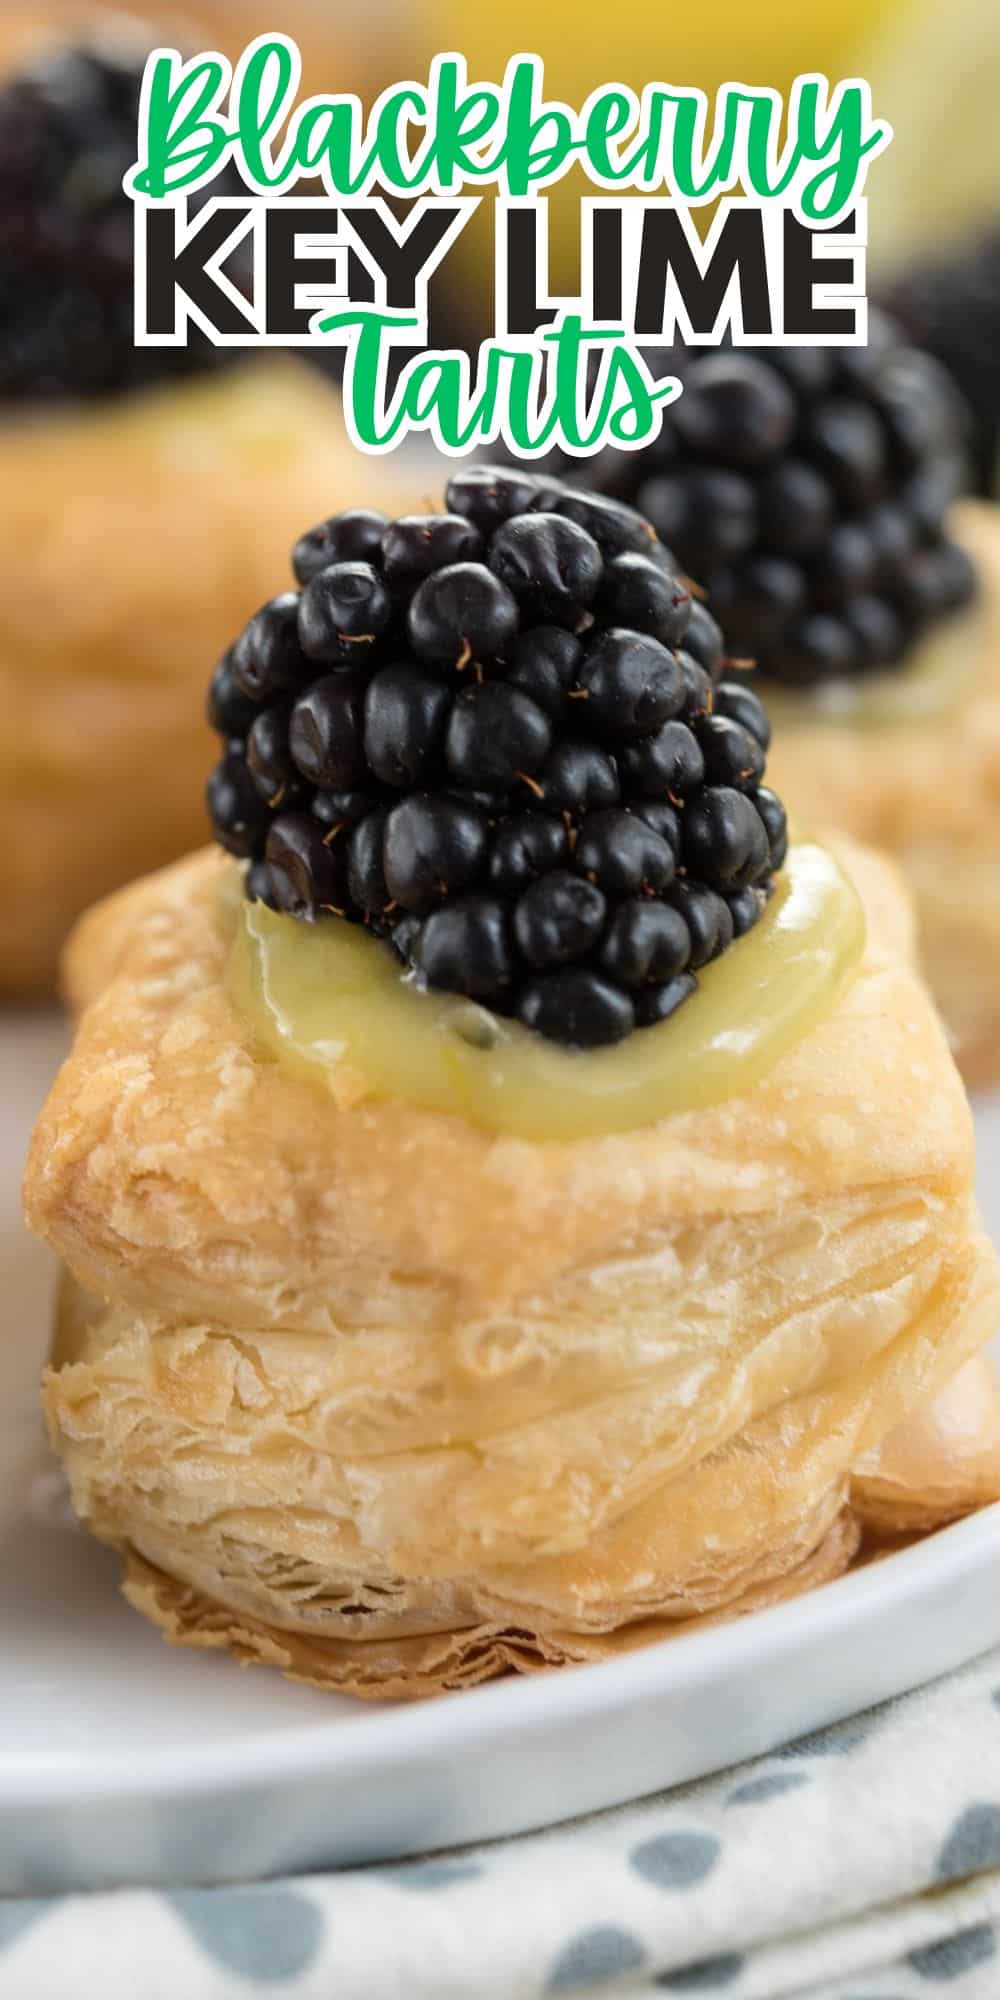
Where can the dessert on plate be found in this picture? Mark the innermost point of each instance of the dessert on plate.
(148, 498)
(810, 492)
(509, 1193)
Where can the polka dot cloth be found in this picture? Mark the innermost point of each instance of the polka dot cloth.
(859, 1863)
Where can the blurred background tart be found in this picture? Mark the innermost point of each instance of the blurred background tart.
(934, 76)
(820, 499)
(148, 494)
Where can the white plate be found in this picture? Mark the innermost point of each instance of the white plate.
(121, 1761)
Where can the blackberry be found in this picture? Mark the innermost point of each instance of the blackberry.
(703, 640)
(496, 736)
(893, 534)
(550, 565)
(406, 711)
(847, 442)
(462, 613)
(631, 684)
(744, 908)
(269, 759)
(741, 704)
(577, 1006)
(404, 936)
(342, 609)
(775, 819)
(796, 508)
(809, 370)
(342, 808)
(488, 495)
(354, 536)
(657, 1003)
(525, 848)
(433, 847)
(738, 411)
(238, 813)
(419, 543)
(68, 125)
(561, 918)
(307, 878)
(228, 709)
(816, 648)
(466, 948)
(876, 630)
(847, 565)
(503, 740)
(365, 848)
(937, 581)
(732, 755)
(617, 530)
(663, 819)
(639, 593)
(622, 854)
(544, 664)
(326, 732)
(267, 659)
(259, 886)
(725, 841)
(708, 918)
(645, 944)
(707, 513)
(699, 692)
(806, 492)
(950, 309)
(761, 597)
(578, 778)
(669, 764)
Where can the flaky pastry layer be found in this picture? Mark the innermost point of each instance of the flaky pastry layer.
(927, 792)
(397, 1404)
(941, 1463)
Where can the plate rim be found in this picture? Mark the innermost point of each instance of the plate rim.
(480, 1718)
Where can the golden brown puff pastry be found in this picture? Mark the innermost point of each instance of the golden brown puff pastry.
(942, 1462)
(928, 793)
(397, 1404)
(138, 536)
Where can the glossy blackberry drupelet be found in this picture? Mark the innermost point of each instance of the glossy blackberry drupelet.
(806, 489)
(950, 306)
(67, 136)
(502, 739)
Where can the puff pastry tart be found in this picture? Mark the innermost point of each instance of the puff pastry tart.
(809, 492)
(501, 1225)
(149, 496)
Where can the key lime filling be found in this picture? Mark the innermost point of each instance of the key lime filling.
(333, 1004)
(936, 676)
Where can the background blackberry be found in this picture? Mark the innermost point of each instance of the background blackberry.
(951, 307)
(501, 738)
(806, 489)
(67, 136)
